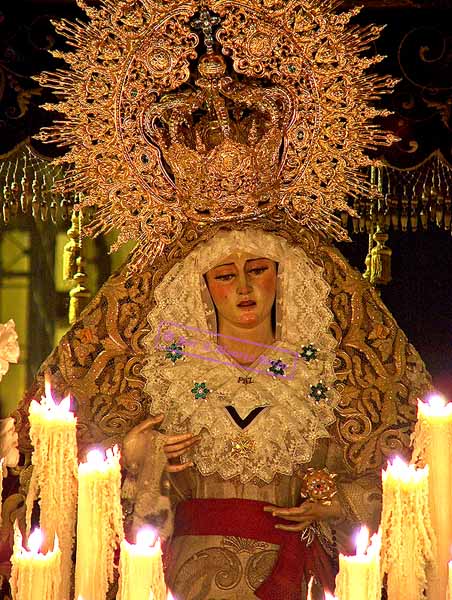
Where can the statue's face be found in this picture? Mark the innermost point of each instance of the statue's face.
(243, 288)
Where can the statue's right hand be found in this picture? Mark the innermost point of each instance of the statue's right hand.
(136, 443)
(175, 446)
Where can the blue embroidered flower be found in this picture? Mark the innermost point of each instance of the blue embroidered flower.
(319, 391)
(200, 390)
(308, 352)
(174, 352)
(277, 367)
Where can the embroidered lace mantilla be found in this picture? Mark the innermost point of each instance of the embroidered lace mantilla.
(284, 433)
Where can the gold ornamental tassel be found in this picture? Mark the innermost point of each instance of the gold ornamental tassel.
(35, 196)
(79, 296)
(380, 264)
(368, 260)
(71, 248)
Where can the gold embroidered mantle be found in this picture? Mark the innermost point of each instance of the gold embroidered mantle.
(100, 360)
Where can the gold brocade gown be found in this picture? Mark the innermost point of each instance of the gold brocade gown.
(226, 568)
(290, 434)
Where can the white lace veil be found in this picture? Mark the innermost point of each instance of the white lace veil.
(184, 307)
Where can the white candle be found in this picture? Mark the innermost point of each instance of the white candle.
(54, 476)
(449, 593)
(1, 487)
(433, 446)
(407, 533)
(35, 576)
(99, 523)
(359, 576)
(141, 569)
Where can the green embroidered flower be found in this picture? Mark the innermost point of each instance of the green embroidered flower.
(200, 390)
(174, 352)
(277, 367)
(319, 391)
(308, 352)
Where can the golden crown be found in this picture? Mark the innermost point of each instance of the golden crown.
(215, 111)
(223, 143)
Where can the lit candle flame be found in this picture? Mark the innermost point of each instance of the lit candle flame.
(48, 390)
(398, 468)
(170, 596)
(436, 401)
(35, 541)
(362, 541)
(399, 464)
(311, 581)
(435, 405)
(62, 409)
(95, 457)
(375, 544)
(65, 404)
(146, 536)
(329, 596)
(401, 471)
(99, 460)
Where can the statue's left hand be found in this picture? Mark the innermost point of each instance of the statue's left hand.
(306, 514)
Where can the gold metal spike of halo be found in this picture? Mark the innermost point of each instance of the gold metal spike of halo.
(216, 111)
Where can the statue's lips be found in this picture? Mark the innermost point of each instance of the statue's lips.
(246, 303)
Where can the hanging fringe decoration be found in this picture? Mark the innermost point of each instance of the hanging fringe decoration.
(79, 296)
(27, 185)
(411, 199)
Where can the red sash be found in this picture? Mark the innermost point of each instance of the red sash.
(247, 519)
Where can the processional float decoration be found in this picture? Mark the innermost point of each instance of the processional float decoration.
(186, 114)
(182, 115)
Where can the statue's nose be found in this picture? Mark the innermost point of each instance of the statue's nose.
(244, 286)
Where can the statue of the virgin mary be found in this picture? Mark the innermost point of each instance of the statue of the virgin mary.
(239, 368)
(254, 381)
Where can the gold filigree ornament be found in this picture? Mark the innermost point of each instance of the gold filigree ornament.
(318, 485)
(180, 113)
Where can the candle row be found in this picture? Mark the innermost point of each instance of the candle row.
(37, 576)
(414, 547)
(43, 572)
(416, 526)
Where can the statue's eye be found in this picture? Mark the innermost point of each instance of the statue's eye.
(225, 277)
(258, 270)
